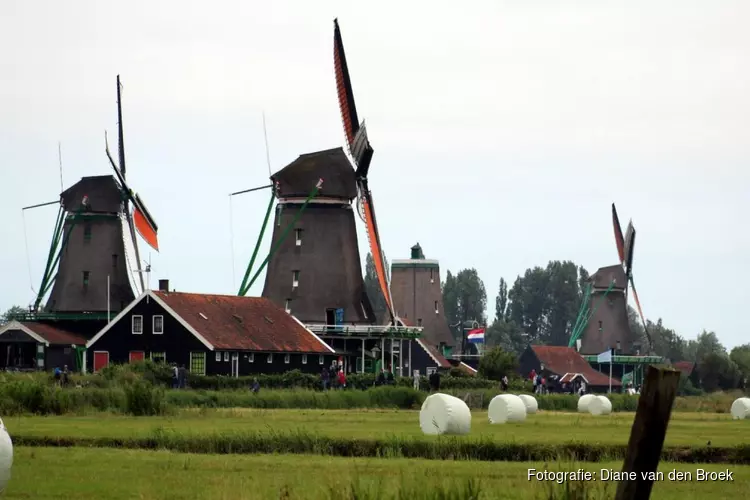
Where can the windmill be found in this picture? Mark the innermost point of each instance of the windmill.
(602, 321)
(94, 257)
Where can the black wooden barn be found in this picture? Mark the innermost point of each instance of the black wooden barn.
(209, 335)
(38, 346)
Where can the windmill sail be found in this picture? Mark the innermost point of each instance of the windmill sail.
(619, 240)
(131, 258)
(361, 152)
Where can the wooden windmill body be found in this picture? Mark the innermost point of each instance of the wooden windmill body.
(94, 266)
(603, 320)
(314, 266)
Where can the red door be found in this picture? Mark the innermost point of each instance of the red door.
(101, 360)
(137, 356)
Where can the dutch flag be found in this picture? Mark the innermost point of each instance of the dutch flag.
(476, 335)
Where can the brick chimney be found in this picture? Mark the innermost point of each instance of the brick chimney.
(164, 285)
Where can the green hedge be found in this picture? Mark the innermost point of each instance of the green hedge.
(441, 448)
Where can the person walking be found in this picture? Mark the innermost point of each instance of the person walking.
(325, 378)
(416, 380)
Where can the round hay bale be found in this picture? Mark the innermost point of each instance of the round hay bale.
(530, 403)
(6, 456)
(583, 403)
(600, 405)
(506, 408)
(740, 409)
(444, 414)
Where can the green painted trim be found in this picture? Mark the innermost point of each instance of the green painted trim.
(409, 265)
(628, 360)
(396, 333)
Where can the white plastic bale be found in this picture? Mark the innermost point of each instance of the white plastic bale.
(444, 414)
(583, 403)
(506, 408)
(6, 456)
(741, 409)
(600, 405)
(530, 403)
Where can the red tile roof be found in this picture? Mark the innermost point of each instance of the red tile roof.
(244, 323)
(564, 360)
(685, 367)
(53, 334)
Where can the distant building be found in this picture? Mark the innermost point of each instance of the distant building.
(566, 365)
(38, 346)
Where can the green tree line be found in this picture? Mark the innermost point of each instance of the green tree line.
(541, 307)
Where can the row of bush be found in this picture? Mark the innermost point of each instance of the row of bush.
(162, 375)
(442, 448)
(32, 394)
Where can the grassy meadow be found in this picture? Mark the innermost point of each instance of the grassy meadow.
(93, 474)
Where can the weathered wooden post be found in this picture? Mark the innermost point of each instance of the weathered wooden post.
(648, 433)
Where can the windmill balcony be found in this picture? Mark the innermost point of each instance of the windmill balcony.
(366, 330)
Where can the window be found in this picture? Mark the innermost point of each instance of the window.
(295, 279)
(157, 324)
(159, 357)
(432, 276)
(226, 356)
(87, 233)
(270, 358)
(198, 363)
(114, 261)
(431, 370)
(419, 322)
(321, 359)
(66, 351)
(86, 275)
(437, 311)
(286, 359)
(288, 306)
(304, 359)
(251, 357)
(298, 236)
(218, 356)
(600, 326)
(137, 324)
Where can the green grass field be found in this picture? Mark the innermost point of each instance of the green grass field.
(93, 474)
(685, 429)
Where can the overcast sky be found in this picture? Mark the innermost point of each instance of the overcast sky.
(502, 131)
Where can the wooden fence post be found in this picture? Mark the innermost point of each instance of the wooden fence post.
(648, 432)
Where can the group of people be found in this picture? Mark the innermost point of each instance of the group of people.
(333, 377)
(62, 377)
(179, 376)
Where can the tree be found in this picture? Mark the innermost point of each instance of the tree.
(501, 301)
(506, 335)
(372, 288)
(544, 302)
(741, 357)
(450, 302)
(464, 299)
(496, 363)
(7, 315)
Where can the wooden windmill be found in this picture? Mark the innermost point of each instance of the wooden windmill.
(94, 264)
(602, 322)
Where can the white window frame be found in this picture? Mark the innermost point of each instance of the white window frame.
(153, 324)
(432, 277)
(295, 278)
(226, 356)
(431, 370)
(287, 358)
(269, 359)
(304, 359)
(288, 306)
(251, 357)
(132, 324)
(321, 359)
(298, 237)
(218, 355)
(437, 311)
